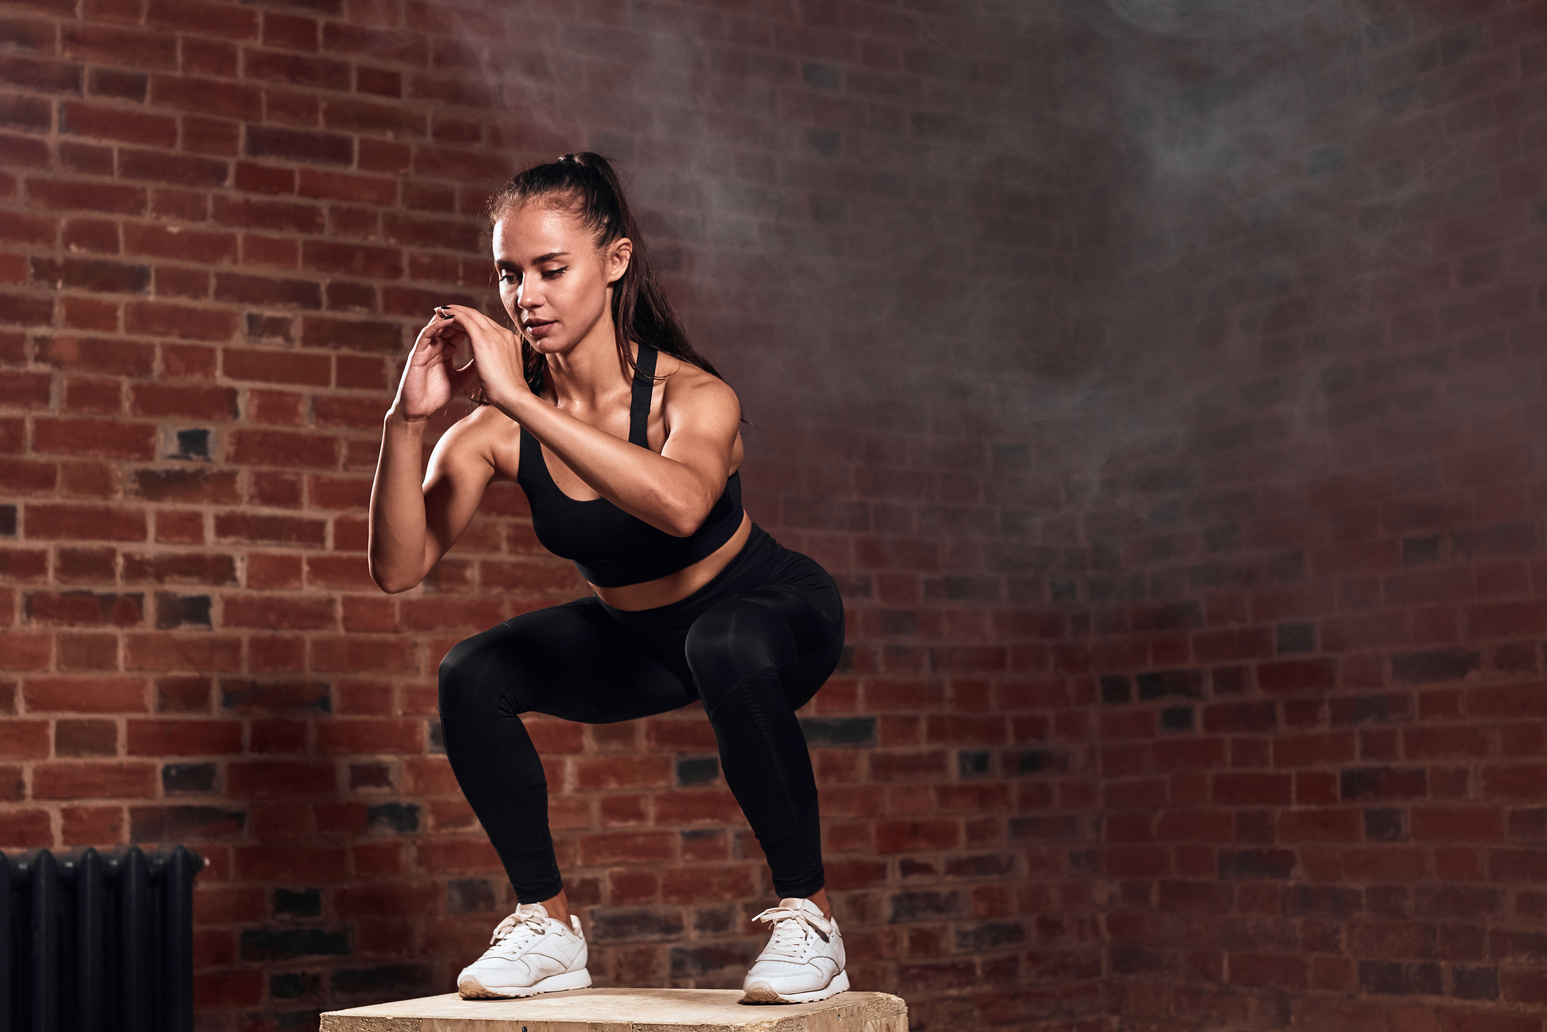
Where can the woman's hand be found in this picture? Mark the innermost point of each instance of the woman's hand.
(496, 354)
(431, 377)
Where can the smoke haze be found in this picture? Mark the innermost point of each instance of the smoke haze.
(1122, 212)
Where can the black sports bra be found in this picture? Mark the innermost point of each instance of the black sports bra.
(610, 547)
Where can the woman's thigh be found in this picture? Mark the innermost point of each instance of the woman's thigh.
(794, 626)
(572, 661)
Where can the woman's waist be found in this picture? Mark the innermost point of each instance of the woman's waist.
(681, 585)
(731, 570)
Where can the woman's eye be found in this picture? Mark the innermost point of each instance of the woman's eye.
(554, 273)
(510, 277)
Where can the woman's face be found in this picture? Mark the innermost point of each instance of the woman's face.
(554, 281)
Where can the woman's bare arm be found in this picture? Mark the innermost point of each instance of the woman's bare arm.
(672, 491)
(412, 522)
(416, 516)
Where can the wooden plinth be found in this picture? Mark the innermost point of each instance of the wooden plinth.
(626, 1010)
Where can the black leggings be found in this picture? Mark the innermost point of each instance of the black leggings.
(753, 645)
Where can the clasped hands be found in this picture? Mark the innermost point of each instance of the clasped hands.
(432, 378)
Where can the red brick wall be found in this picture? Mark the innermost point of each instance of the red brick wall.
(1164, 394)
(220, 224)
(1315, 607)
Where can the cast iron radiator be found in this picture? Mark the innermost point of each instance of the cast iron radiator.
(97, 942)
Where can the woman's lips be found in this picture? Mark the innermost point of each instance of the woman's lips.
(538, 330)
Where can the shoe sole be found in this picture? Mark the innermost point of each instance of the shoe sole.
(762, 992)
(472, 989)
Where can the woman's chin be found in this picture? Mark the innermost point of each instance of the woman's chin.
(571, 338)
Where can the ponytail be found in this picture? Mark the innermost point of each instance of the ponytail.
(640, 311)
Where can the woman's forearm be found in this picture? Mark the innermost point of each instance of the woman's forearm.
(671, 496)
(397, 516)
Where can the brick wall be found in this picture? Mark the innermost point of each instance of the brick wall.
(1315, 608)
(220, 225)
(1163, 391)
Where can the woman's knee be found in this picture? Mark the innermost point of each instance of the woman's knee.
(733, 642)
(474, 676)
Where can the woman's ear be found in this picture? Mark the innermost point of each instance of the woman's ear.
(618, 257)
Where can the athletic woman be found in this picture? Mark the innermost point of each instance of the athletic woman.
(627, 445)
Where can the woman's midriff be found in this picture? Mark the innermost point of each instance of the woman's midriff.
(663, 591)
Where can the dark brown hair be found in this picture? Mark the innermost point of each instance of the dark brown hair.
(588, 184)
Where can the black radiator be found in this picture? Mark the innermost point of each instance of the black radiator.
(97, 942)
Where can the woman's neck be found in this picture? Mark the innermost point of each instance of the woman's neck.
(587, 373)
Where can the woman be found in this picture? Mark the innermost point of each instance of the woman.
(627, 444)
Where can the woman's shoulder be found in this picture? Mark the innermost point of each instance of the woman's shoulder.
(483, 419)
(486, 433)
(685, 382)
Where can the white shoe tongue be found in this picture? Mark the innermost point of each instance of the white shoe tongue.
(795, 903)
(533, 908)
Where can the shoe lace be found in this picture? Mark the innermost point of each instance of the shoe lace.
(512, 935)
(792, 929)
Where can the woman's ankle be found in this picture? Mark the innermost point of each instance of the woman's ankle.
(558, 907)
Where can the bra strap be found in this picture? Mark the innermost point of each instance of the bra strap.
(529, 445)
(639, 404)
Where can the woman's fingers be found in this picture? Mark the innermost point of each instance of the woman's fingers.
(443, 337)
(439, 328)
(477, 329)
(458, 323)
(470, 318)
(489, 342)
(462, 377)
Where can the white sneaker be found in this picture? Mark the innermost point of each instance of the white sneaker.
(531, 953)
(803, 961)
